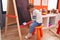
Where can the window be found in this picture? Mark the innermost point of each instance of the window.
(52, 4)
(4, 4)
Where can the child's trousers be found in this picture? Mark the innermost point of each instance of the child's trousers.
(33, 24)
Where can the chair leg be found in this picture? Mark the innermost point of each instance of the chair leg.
(58, 30)
(38, 34)
(41, 32)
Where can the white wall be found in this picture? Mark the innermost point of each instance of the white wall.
(4, 2)
(52, 4)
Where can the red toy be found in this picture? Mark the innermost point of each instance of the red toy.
(58, 30)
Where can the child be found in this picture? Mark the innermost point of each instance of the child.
(36, 19)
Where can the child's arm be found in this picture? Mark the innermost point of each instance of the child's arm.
(39, 17)
(34, 15)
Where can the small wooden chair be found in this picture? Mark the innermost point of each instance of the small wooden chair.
(39, 32)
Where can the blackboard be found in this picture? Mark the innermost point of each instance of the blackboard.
(23, 13)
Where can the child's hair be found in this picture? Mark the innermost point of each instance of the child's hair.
(30, 6)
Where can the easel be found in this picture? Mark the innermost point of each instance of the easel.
(12, 16)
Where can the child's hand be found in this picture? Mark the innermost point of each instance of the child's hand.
(24, 23)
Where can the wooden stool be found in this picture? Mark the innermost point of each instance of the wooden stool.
(58, 30)
(39, 32)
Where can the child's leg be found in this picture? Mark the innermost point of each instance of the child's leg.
(32, 26)
(31, 29)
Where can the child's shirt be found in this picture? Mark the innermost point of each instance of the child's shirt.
(36, 16)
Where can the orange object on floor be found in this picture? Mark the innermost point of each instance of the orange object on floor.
(39, 32)
(58, 30)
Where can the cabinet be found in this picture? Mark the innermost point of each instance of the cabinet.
(49, 20)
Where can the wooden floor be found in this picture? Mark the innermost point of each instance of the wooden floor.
(12, 34)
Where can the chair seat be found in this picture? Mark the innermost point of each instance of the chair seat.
(38, 27)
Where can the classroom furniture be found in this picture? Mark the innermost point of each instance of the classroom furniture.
(58, 30)
(49, 19)
(57, 18)
(12, 16)
(39, 32)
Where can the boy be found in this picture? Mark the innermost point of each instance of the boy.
(36, 19)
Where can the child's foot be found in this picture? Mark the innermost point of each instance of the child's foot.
(28, 36)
